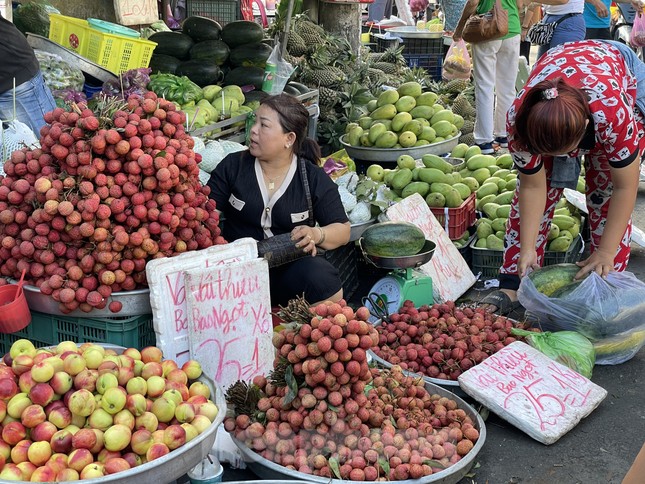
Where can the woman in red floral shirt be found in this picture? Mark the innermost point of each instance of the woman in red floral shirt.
(580, 99)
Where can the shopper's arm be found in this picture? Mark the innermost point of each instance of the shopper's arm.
(532, 200)
(600, 7)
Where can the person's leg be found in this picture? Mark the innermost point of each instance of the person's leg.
(484, 62)
(33, 100)
(525, 50)
(597, 33)
(599, 189)
(505, 77)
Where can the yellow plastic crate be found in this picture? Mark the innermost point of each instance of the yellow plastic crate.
(118, 53)
(72, 33)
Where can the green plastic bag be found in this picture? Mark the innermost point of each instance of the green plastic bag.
(566, 347)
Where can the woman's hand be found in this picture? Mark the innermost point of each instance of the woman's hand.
(528, 260)
(306, 238)
(600, 262)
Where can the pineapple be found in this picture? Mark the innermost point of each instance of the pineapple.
(462, 107)
(468, 127)
(468, 139)
(296, 45)
(394, 55)
(327, 77)
(328, 97)
(374, 57)
(456, 86)
(386, 67)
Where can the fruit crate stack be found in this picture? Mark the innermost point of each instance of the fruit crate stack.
(418, 52)
(222, 11)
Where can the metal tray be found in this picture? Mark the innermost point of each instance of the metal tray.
(372, 154)
(266, 469)
(95, 70)
(414, 33)
(357, 230)
(135, 303)
(178, 462)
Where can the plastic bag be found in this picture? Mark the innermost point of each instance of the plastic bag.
(637, 37)
(277, 72)
(457, 62)
(58, 73)
(33, 17)
(610, 310)
(567, 347)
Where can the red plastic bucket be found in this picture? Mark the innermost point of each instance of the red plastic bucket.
(14, 311)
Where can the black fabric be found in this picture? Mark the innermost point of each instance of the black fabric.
(17, 57)
(235, 175)
(316, 277)
(565, 172)
(509, 281)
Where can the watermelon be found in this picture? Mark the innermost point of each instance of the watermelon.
(201, 28)
(174, 44)
(393, 239)
(200, 72)
(250, 55)
(212, 50)
(241, 32)
(549, 279)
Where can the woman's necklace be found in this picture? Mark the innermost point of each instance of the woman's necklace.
(272, 180)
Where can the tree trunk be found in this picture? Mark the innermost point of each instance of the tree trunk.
(343, 19)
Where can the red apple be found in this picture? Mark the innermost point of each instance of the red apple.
(27, 469)
(100, 419)
(192, 369)
(84, 439)
(21, 364)
(22, 347)
(201, 423)
(117, 437)
(68, 474)
(61, 441)
(125, 374)
(26, 382)
(126, 361)
(93, 358)
(156, 451)
(168, 366)
(178, 376)
(151, 368)
(8, 388)
(174, 436)
(105, 381)
(156, 386)
(133, 353)
(141, 441)
(11, 472)
(43, 431)
(79, 459)
(41, 394)
(82, 402)
(136, 404)
(133, 459)
(99, 441)
(19, 451)
(74, 364)
(43, 474)
(61, 382)
(113, 400)
(61, 417)
(57, 462)
(124, 417)
(116, 464)
(191, 432)
(32, 416)
(151, 353)
(185, 412)
(42, 371)
(106, 454)
(86, 379)
(164, 409)
(148, 421)
(93, 471)
(39, 453)
(137, 385)
(108, 366)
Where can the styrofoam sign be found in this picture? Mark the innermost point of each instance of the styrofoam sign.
(168, 295)
(534, 393)
(136, 12)
(451, 276)
(230, 327)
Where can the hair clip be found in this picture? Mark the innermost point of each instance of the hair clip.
(550, 93)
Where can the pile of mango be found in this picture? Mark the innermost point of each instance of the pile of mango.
(403, 118)
(218, 103)
(494, 198)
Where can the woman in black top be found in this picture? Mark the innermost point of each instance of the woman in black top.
(33, 97)
(261, 194)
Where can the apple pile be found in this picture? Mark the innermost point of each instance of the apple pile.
(108, 189)
(80, 412)
(323, 411)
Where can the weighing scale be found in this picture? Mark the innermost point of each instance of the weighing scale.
(403, 283)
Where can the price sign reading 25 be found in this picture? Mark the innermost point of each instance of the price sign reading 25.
(539, 396)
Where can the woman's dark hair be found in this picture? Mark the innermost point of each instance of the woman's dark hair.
(294, 117)
(552, 116)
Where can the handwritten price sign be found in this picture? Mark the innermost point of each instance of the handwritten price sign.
(539, 396)
(135, 12)
(230, 325)
(451, 276)
(168, 297)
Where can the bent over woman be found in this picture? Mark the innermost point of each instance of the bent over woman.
(582, 98)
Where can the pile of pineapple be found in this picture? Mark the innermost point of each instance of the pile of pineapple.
(347, 82)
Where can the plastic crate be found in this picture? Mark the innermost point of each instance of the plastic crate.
(456, 220)
(345, 260)
(410, 45)
(223, 11)
(488, 261)
(72, 33)
(47, 329)
(118, 53)
(430, 62)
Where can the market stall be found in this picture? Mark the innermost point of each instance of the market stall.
(140, 329)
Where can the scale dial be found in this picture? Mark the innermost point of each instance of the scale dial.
(389, 288)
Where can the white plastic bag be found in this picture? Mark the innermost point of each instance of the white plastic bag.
(610, 312)
(14, 135)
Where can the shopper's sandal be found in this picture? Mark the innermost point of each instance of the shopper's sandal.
(501, 301)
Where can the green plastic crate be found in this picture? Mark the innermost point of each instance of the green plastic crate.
(488, 261)
(47, 330)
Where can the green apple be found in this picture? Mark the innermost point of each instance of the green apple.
(375, 172)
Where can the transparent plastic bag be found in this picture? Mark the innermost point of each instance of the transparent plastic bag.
(604, 310)
(457, 62)
(14, 135)
(277, 72)
(567, 347)
(637, 37)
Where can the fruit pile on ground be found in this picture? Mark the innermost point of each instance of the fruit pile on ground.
(109, 189)
(324, 412)
(442, 341)
(403, 118)
(83, 412)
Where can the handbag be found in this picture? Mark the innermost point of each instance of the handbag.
(491, 25)
(280, 249)
(542, 32)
